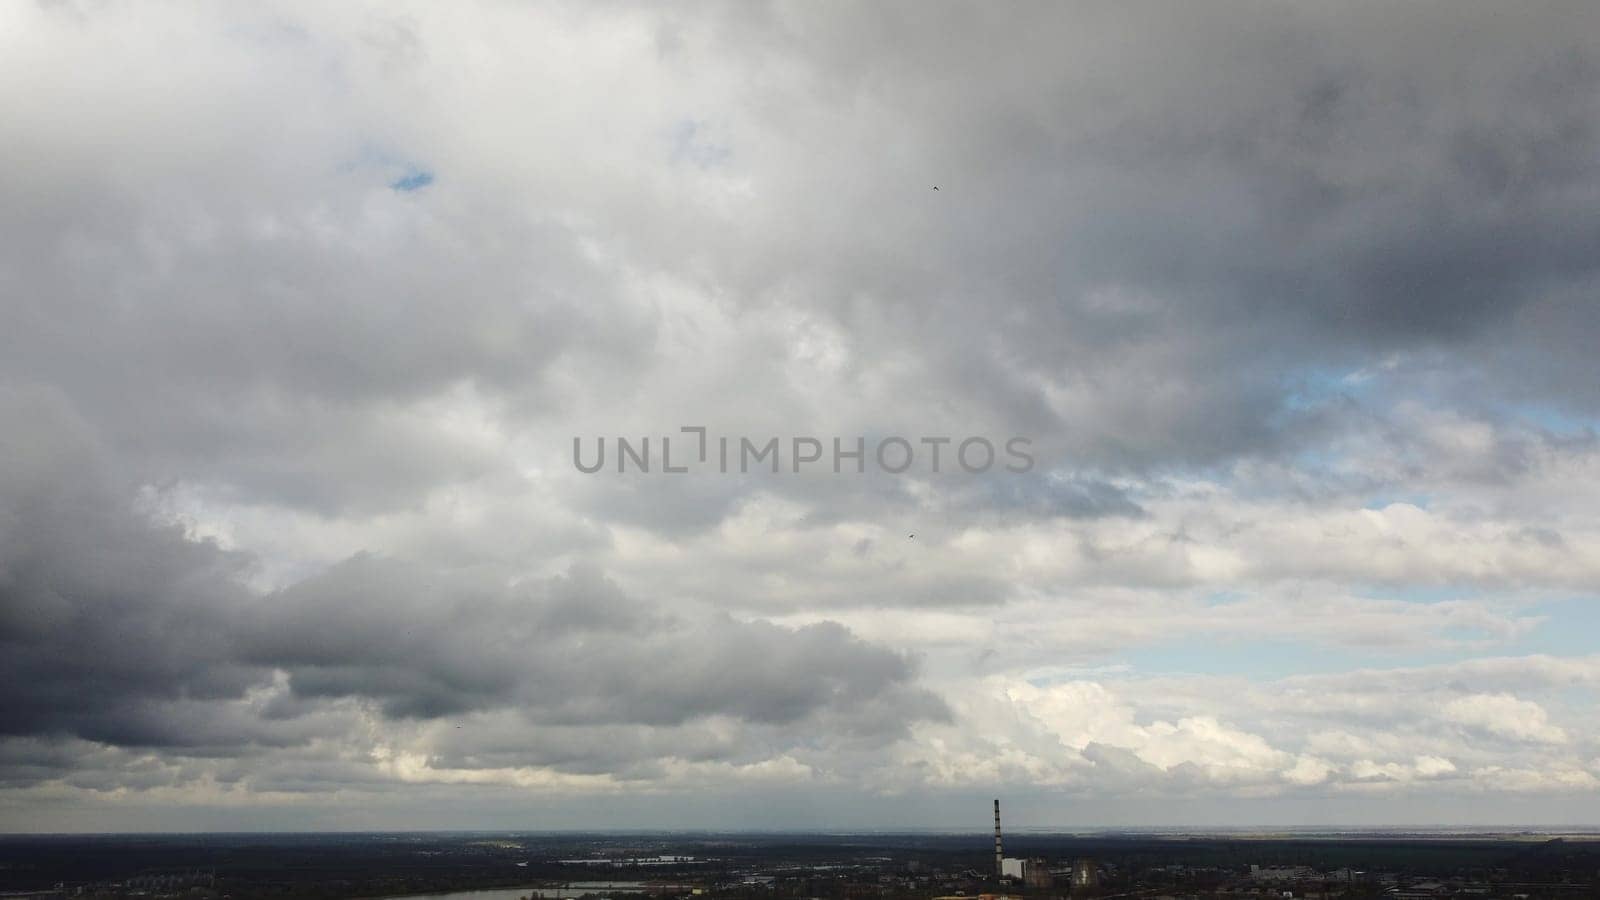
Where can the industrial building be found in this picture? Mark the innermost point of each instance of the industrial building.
(1085, 873)
(1035, 873)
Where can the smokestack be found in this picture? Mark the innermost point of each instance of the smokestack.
(999, 858)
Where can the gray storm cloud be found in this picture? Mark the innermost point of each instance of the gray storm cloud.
(128, 633)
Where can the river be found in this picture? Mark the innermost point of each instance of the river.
(564, 892)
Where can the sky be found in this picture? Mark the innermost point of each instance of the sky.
(1291, 307)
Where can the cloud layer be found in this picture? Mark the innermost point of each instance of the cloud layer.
(304, 307)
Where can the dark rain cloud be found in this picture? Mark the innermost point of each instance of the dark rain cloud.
(126, 633)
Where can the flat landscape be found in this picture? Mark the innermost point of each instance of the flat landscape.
(501, 866)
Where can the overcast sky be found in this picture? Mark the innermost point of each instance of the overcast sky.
(303, 305)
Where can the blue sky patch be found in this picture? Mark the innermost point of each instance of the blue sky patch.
(413, 181)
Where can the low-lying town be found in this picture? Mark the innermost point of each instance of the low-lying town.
(925, 866)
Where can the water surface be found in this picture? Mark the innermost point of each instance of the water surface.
(564, 892)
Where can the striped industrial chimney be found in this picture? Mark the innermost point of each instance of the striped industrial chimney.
(999, 858)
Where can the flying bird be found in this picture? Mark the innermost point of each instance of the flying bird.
(936, 187)
(910, 536)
